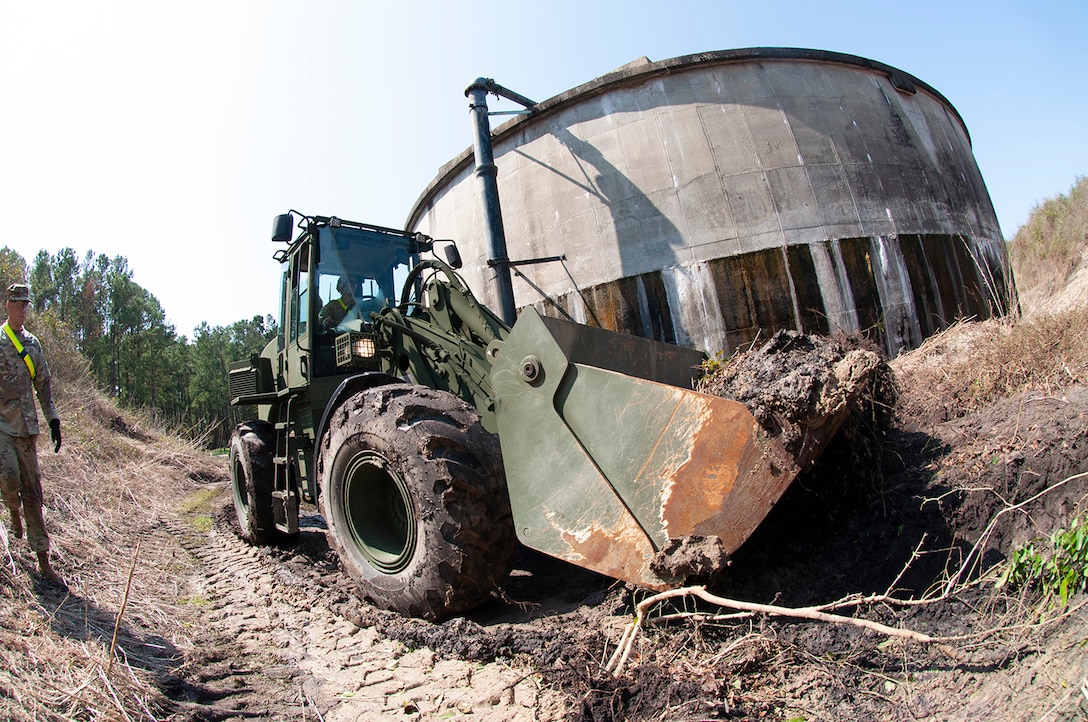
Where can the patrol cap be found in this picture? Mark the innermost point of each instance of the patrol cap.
(18, 292)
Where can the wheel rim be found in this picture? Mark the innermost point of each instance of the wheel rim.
(378, 513)
(238, 485)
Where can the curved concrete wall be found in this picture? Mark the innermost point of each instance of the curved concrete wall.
(713, 199)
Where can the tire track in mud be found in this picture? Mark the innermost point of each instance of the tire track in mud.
(276, 644)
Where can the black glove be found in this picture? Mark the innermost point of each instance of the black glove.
(54, 431)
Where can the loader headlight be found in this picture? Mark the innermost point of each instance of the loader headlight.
(357, 350)
(363, 347)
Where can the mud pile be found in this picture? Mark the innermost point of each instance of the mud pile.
(801, 388)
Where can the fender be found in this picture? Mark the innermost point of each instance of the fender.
(348, 388)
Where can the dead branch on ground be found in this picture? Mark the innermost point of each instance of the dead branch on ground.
(124, 603)
(821, 613)
(619, 658)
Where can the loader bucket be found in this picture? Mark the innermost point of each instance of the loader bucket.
(610, 470)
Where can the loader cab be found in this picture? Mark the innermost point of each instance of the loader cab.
(338, 274)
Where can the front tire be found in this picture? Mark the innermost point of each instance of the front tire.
(415, 500)
(251, 479)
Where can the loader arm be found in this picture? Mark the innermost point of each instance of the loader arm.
(438, 357)
(447, 302)
(438, 335)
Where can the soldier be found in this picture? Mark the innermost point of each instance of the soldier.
(24, 372)
(335, 311)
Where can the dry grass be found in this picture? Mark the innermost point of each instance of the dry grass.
(1047, 250)
(970, 365)
(49, 673)
(101, 507)
(105, 493)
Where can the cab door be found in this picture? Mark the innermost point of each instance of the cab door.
(297, 312)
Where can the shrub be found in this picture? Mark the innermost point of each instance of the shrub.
(1057, 566)
(1047, 249)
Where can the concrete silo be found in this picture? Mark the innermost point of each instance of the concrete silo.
(712, 199)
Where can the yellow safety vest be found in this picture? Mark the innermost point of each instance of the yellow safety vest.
(20, 350)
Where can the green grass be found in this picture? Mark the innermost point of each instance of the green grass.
(200, 501)
(202, 523)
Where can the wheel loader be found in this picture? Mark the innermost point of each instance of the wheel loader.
(435, 434)
(434, 437)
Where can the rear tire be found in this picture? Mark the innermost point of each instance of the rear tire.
(415, 500)
(251, 479)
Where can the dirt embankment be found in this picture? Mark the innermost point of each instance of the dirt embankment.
(204, 627)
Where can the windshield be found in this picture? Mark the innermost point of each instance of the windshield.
(358, 271)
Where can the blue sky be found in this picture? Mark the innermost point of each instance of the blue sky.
(172, 132)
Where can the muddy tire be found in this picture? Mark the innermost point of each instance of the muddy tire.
(251, 479)
(415, 500)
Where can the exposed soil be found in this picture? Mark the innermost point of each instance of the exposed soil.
(801, 388)
(216, 629)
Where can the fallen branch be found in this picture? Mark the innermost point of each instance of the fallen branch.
(619, 658)
(121, 613)
(7, 549)
(821, 613)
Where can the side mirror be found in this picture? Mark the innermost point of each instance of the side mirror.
(447, 251)
(282, 229)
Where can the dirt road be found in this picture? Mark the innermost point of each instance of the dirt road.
(283, 635)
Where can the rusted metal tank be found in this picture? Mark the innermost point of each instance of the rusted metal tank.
(712, 199)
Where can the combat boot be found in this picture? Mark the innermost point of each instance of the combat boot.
(47, 570)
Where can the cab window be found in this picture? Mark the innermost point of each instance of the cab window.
(300, 294)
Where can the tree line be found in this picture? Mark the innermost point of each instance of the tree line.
(133, 354)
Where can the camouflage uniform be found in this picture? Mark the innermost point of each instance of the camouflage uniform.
(20, 479)
(333, 312)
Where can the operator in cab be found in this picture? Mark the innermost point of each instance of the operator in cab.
(338, 310)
